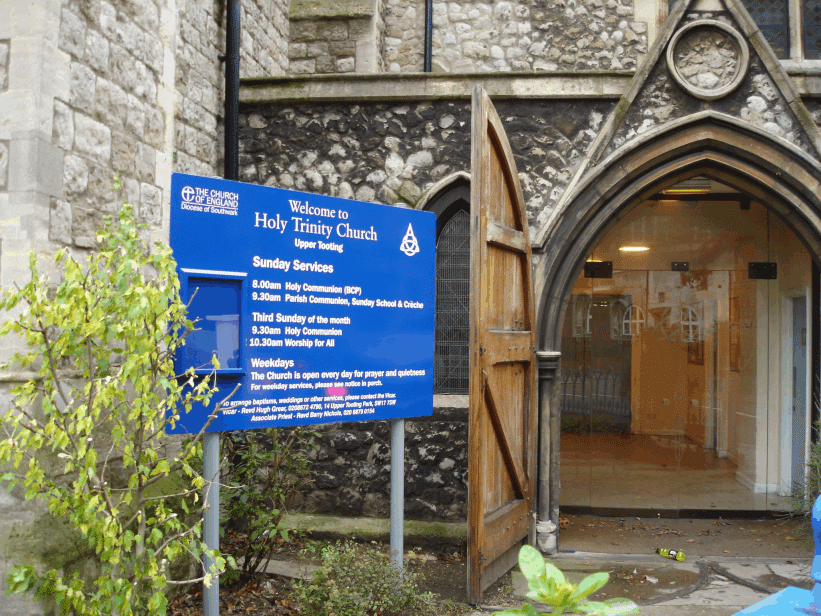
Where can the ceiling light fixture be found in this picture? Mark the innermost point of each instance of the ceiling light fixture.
(694, 186)
(634, 248)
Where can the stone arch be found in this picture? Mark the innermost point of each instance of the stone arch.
(449, 199)
(436, 195)
(782, 176)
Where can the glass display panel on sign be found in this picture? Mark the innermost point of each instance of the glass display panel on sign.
(215, 307)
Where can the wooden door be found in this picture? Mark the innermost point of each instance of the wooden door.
(502, 424)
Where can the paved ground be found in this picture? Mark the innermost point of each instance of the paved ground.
(698, 587)
(713, 581)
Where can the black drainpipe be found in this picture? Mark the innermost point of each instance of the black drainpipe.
(232, 30)
(428, 34)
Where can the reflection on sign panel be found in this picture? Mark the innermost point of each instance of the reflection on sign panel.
(320, 309)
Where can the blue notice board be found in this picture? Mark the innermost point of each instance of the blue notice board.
(320, 309)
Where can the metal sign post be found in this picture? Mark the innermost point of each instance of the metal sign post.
(397, 493)
(211, 535)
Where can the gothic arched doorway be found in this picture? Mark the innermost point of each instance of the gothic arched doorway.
(686, 364)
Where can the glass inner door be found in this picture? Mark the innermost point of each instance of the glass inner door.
(680, 390)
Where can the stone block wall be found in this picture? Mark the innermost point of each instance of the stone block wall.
(200, 75)
(115, 116)
(199, 87)
(320, 46)
(89, 88)
(344, 36)
(352, 466)
(264, 45)
(4, 84)
(396, 153)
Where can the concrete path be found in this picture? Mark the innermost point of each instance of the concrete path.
(708, 586)
(701, 587)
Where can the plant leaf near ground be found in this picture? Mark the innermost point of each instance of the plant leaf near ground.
(548, 585)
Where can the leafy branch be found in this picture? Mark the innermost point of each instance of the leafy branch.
(87, 435)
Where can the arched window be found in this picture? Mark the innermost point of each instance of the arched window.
(452, 352)
(581, 316)
(617, 310)
(633, 321)
(690, 324)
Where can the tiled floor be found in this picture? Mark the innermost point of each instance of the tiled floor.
(641, 471)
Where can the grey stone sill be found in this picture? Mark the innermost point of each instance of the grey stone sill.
(387, 88)
(417, 533)
(802, 67)
(325, 9)
(450, 401)
(806, 74)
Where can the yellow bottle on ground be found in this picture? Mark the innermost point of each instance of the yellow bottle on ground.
(671, 554)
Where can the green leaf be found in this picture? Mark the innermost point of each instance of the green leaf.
(589, 585)
(594, 608)
(525, 610)
(531, 562)
(554, 573)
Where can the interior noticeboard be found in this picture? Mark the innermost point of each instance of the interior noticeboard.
(321, 309)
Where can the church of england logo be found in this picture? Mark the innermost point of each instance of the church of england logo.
(209, 200)
(409, 244)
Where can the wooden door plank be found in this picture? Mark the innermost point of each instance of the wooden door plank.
(506, 526)
(517, 472)
(510, 346)
(477, 463)
(505, 237)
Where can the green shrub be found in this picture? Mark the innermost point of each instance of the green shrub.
(355, 580)
(804, 494)
(265, 469)
(86, 435)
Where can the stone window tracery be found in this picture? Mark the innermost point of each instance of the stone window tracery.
(791, 27)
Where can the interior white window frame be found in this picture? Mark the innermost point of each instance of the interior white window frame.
(627, 321)
(691, 324)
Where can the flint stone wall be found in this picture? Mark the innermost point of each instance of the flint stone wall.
(540, 35)
(395, 153)
(403, 48)
(351, 473)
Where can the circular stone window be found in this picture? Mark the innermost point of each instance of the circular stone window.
(708, 58)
